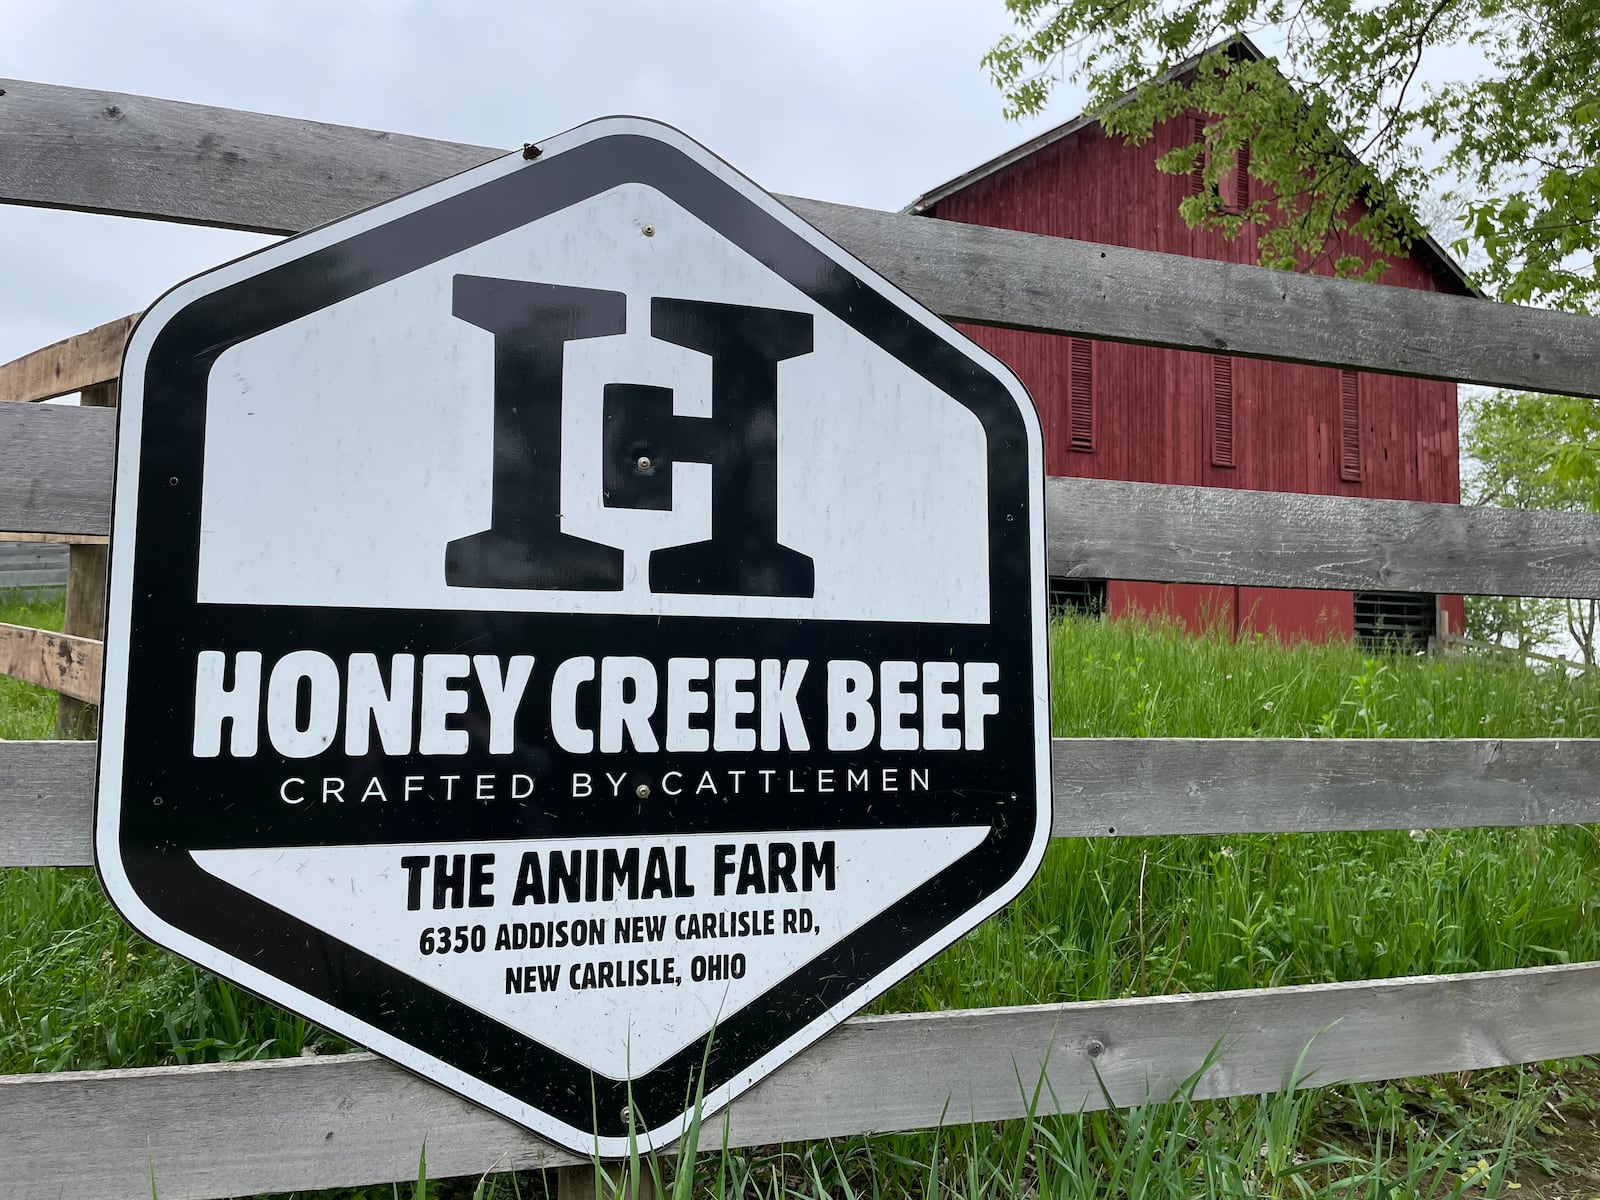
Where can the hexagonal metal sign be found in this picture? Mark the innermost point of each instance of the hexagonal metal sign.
(574, 629)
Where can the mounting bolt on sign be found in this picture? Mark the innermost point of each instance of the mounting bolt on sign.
(448, 534)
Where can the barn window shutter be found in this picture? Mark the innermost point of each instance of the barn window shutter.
(1080, 395)
(1222, 410)
(1197, 174)
(1349, 426)
(1241, 180)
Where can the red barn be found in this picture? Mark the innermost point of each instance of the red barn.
(1113, 411)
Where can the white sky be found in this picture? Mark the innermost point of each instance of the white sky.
(867, 102)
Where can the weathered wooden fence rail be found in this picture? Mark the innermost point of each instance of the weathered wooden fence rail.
(352, 1119)
(1104, 787)
(106, 152)
(355, 1120)
(55, 476)
(33, 565)
(1455, 641)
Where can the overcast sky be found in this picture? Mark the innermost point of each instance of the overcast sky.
(866, 102)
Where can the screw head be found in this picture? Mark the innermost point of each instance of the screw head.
(643, 463)
(648, 230)
(642, 791)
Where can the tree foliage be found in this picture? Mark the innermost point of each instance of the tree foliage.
(1354, 119)
(1519, 455)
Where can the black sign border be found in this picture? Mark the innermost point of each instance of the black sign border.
(165, 576)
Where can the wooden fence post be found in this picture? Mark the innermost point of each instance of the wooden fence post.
(86, 599)
(579, 1182)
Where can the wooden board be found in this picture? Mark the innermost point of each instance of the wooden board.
(87, 539)
(70, 365)
(47, 804)
(1109, 529)
(133, 155)
(55, 468)
(1104, 787)
(34, 565)
(55, 474)
(353, 1120)
(1124, 787)
(98, 151)
(1454, 640)
(999, 277)
(60, 662)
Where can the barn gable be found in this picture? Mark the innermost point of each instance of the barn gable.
(1013, 179)
(1117, 411)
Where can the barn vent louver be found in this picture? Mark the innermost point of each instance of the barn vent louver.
(1349, 427)
(1222, 410)
(1080, 396)
(1402, 621)
(1241, 180)
(1196, 181)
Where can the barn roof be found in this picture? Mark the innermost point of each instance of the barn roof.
(1439, 258)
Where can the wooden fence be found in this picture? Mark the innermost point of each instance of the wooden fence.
(1451, 641)
(212, 1131)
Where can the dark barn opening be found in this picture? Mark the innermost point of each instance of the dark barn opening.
(1077, 597)
(1395, 620)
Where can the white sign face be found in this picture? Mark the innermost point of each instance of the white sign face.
(574, 630)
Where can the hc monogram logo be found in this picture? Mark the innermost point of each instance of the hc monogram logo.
(525, 547)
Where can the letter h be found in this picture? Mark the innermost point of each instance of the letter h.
(525, 546)
(739, 440)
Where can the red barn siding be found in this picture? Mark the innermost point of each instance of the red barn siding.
(1293, 614)
(1201, 607)
(1452, 614)
(1153, 408)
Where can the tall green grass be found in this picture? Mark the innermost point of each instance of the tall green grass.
(1105, 918)
(1127, 679)
(79, 990)
(1137, 916)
